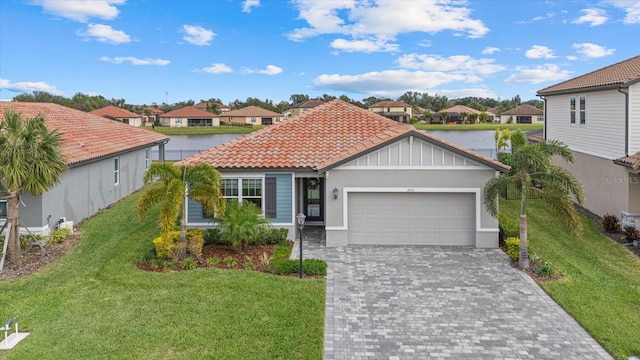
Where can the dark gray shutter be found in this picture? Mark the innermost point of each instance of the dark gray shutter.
(270, 196)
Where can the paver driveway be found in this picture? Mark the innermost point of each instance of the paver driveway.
(441, 302)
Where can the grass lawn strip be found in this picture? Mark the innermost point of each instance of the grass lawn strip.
(94, 303)
(601, 283)
(476, 127)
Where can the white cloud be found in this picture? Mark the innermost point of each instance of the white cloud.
(572, 58)
(632, 9)
(592, 50)
(217, 68)
(424, 43)
(248, 4)
(104, 33)
(539, 52)
(548, 15)
(458, 64)
(365, 46)
(472, 92)
(269, 70)
(197, 35)
(135, 61)
(81, 10)
(28, 86)
(383, 20)
(593, 17)
(538, 74)
(490, 50)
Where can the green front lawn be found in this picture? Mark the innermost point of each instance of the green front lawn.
(485, 126)
(95, 304)
(205, 130)
(600, 286)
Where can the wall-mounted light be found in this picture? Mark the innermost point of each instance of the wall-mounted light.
(335, 193)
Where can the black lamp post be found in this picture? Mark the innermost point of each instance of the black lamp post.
(300, 221)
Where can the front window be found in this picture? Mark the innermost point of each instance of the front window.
(253, 120)
(147, 158)
(583, 110)
(244, 189)
(3, 209)
(572, 110)
(116, 171)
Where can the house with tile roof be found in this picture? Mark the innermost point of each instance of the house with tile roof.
(251, 115)
(189, 116)
(365, 178)
(307, 105)
(106, 159)
(523, 114)
(203, 105)
(598, 116)
(454, 114)
(150, 115)
(118, 114)
(394, 110)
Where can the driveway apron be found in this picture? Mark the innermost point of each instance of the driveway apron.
(412, 302)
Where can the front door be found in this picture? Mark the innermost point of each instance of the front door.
(313, 199)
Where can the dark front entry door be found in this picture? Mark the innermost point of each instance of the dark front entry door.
(313, 199)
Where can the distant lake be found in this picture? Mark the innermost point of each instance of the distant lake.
(183, 146)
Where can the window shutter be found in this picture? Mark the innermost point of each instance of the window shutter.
(270, 196)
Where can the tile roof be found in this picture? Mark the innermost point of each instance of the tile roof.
(114, 112)
(86, 136)
(461, 109)
(154, 110)
(203, 105)
(389, 103)
(316, 139)
(628, 161)
(189, 111)
(310, 104)
(251, 111)
(623, 73)
(524, 109)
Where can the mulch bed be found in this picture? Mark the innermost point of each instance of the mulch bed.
(617, 237)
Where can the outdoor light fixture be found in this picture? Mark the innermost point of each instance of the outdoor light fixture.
(300, 221)
(335, 193)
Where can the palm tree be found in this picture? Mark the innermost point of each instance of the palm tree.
(241, 222)
(532, 171)
(501, 138)
(31, 161)
(199, 182)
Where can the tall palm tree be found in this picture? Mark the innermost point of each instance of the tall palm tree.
(200, 182)
(31, 161)
(532, 171)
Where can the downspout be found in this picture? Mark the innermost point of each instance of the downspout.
(544, 124)
(625, 91)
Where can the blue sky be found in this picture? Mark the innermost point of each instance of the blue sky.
(160, 50)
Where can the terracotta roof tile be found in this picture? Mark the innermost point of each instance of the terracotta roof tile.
(154, 110)
(86, 136)
(389, 103)
(111, 111)
(251, 111)
(628, 161)
(524, 109)
(310, 104)
(623, 73)
(189, 111)
(315, 139)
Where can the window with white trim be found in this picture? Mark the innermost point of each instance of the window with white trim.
(147, 158)
(3, 209)
(116, 171)
(583, 110)
(243, 189)
(572, 110)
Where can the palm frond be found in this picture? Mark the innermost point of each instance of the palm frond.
(151, 196)
(492, 190)
(555, 148)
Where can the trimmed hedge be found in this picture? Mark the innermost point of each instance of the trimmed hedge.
(267, 235)
(282, 265)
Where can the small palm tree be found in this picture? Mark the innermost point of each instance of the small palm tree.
(533, 171)
(31, 161)
(241, 223)
(200, 182)
(501, 138)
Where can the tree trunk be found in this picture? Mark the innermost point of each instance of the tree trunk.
(524, 250)
(13, 217)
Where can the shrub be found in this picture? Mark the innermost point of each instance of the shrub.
(508, 228)
(195, 242)
(189, 263)
(505, 158)
(212, 236)
(248, 263)
(241, 223)
(230, 261)
(265, 261)
(168, 247)
(611, 223)
(314, 267)
(541, 266)
(269, 235)
(169, 265)
(58, 235)
(213, 261)
(283, 267)
(631, 233)
(513, 247)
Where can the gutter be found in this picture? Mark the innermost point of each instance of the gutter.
(625, 91)
(544, 124)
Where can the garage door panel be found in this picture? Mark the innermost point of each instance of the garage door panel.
(412, 218)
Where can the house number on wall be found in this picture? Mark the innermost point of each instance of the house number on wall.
(411, 190)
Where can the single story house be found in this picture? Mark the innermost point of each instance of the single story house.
(523, 114)
(203, 105)
(598, 116)
(106, 160)
(123, 115)
(455, 114)
(307, 105)
(150, 115)
(394, 110)
(365, 178)
(251, 115)
(189, 116)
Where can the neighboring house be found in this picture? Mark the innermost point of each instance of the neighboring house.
(189, 116)
(305, 106)
(251, 115)
(123, 115)
(394, 110)
(203, 106)
(523, 114)
(598, 116)
(150, 115)
(106, 160)
(365, 178)
(454, 113)
(494, 114)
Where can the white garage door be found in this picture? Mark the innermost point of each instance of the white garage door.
(412, 218)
